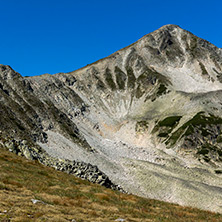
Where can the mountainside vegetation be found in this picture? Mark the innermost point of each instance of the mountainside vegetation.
(30, 191)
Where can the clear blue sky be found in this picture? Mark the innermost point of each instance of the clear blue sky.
(51, 36)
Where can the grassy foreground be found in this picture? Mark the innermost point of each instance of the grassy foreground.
(66, 198)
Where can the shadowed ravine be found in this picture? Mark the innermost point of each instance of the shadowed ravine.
(148, 116)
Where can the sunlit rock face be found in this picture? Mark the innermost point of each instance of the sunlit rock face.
(149, 116)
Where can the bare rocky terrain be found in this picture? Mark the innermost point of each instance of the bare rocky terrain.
(148, 116)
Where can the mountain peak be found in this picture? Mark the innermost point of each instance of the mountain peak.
(190, 63)
(6, 72)
(170, 26)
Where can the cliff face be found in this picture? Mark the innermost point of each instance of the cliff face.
(149, 116)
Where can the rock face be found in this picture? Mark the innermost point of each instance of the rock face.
(148, 116)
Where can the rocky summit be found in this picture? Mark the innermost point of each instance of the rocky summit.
(146, 120)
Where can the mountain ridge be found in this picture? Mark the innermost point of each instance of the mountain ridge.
(148, 116)
(168, 28)
(164, 27)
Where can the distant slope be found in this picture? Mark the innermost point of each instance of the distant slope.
(63, 197)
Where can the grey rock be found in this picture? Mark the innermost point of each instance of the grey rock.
(28, 154)
(34, 201)
(80, 169)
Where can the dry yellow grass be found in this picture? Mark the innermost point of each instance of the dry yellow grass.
(66, 198)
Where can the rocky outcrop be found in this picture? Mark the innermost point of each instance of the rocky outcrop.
(82, 170)
(25, 116)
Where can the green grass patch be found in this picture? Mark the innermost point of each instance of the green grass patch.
(163, 134)
(166, 126)
(161, 90)
(170, 121)
(199, 121)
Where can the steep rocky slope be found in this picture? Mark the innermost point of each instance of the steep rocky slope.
(149, 116)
